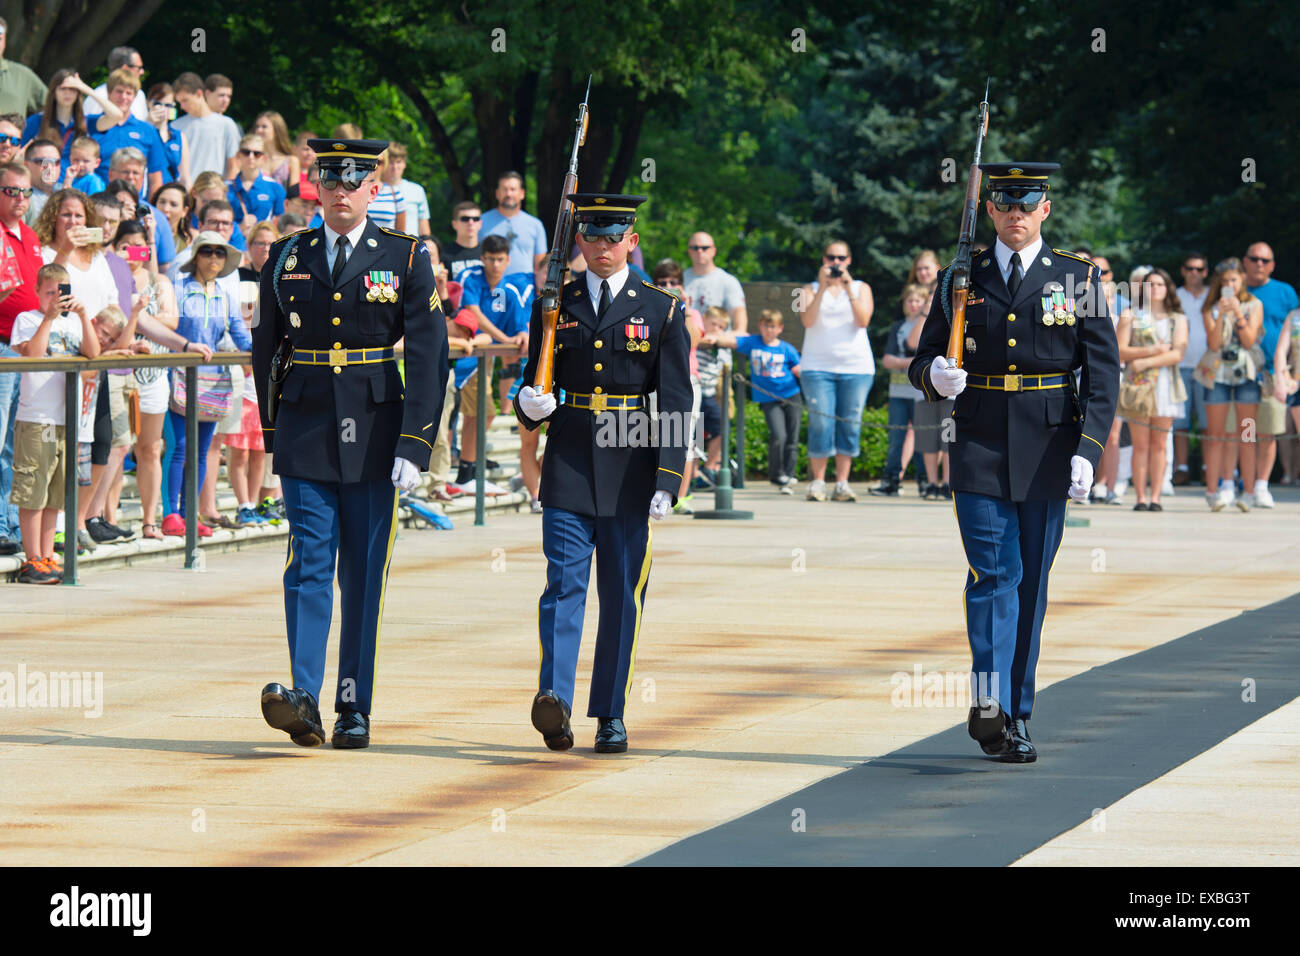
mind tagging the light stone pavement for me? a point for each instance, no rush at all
(770, 657)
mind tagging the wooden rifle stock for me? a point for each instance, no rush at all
(961, 266)
(544, 377)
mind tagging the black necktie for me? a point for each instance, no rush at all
(340, 259)
(604, 299)
(1013, 280)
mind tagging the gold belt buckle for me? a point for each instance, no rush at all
(599, 403)
(338, 358)
(1011, 383)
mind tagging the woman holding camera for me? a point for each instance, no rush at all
(1230, 373)
(837, 367)
(1153, 338)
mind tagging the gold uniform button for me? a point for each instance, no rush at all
(1011, 368)
(1011, 317)
(1011, 342)
(599, 344)
(599, 389)
(337, 296)
(338, 345)
(598, 366)
(337, 370)
(336, 320)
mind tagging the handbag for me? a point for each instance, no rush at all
(1177, 387)
(1137, 400)
(1207, 368)
(215, 390)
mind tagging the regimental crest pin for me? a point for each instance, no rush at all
(631, 293)
(294, 320)
(316, 240)
(290, 263)
(970, 344)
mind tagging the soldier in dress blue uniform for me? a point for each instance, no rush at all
(607, 464)
(1025, 437)
(346, 432)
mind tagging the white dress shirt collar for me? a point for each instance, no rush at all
(616, 283)
(1027, 256)
(354, 237)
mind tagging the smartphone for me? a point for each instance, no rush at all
(137, 253)
(95, 235)
(65, 290)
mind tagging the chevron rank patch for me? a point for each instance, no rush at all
(434, 301)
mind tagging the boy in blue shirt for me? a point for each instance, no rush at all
(774, 380)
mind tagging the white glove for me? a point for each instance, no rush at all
(536, 405)
(948, 380)
(405, 474)
(660, 505)
(1080, 478)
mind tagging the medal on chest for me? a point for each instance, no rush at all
(638, 338)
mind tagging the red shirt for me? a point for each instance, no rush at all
(26, 248)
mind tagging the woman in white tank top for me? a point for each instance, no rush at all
(837, 368)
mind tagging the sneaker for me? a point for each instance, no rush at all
(1263, 497)
(85, 542)
(1167, 488)
(516, 483)
(173, 525)
(817, 491)
(36, 572)
(58, 543)
(886, 488)
(247, 516)
(1113, 498)
(452, 491)
(930, 492)
(1213, 502)
(683, 506)
(786, 480)
(535, 506)
(843, 492)
(784, 490)
(52, 566)
(122, 533)
(1220, 500)
(99, 531)
(1245, 501)
(271, 509)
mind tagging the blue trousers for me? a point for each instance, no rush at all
(1010, 547)
(356, 522)
(622, 546)
(9, 383)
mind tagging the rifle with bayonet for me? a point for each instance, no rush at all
(960, 269)
(544, 377)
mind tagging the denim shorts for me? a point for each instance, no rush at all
(834, 401)
(1247, 393)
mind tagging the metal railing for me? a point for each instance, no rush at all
(72, 367)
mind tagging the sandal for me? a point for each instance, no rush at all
(219, 521)
(145, 533)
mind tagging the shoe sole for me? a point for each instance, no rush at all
(1019, 758)
(281, 715)
(346, 742)
(548, 720)
(990, 733)
(611, 748)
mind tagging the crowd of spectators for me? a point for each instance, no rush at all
(136, 219)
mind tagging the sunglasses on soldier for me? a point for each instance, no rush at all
(1024, 200)
(350, 178)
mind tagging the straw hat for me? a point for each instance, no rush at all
(210, 238)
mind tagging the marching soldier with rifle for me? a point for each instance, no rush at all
(1009, 328)
(598, 348)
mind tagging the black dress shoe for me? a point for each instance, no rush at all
(551, 718)
(611, 736)
(988, 726)
(9, 546)
(351, 731)
(1141, 506)
(1021, 751)
(295, 712)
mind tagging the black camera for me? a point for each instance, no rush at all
(836, 272)
(1230, 353)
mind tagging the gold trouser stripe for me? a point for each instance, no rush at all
(286, 571)
(1095, 442)
(417, 438)
(383, 590)
(636, 599)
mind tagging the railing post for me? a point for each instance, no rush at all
(191, 465)
(480, 429)
(738, 479)
(722, 499)
(71, 417)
